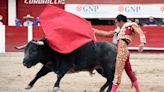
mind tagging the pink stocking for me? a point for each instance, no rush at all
(136, 86)
(114, 87)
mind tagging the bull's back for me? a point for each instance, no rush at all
(85, 55)
(106, 53)
(106, 47)
(92, 54)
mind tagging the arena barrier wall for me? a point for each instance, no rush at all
(2, 38)
(16, 36)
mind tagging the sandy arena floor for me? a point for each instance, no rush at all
(14, 77)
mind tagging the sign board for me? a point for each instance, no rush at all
(34, 7)
(114, 1)
(44, 1)
(112, 10)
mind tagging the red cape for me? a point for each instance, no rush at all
(65, 31)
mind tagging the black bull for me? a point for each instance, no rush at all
(100, 56)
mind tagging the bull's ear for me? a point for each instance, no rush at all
(38, 42)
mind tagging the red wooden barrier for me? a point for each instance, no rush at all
(16, 36)
(154, 36)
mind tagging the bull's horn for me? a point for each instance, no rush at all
(20, 47)
(38, 42)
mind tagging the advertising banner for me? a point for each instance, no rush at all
(34, 7)
(112, 10)
(44, 1)
(114, 1)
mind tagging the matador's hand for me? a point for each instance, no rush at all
(140, 47)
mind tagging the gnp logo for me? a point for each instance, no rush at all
(87, 8)
(162, 9)
(129, 9)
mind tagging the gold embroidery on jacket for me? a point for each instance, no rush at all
(121, 31)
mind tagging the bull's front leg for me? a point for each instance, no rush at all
(43, 71)
(62, 71)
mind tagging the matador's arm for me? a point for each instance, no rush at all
(102, 33)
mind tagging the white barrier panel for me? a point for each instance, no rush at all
(11, 12)
(2, 38)
(30, 33)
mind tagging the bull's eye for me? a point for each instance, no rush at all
(34, 49)
(34, 53)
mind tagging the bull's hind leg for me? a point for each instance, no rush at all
(102, 89)
(43, 71)
(109, 74)
(110, 77)
(104, 86)
(101, 72)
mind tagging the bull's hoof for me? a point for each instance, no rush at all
(57, 89)
(28, 87)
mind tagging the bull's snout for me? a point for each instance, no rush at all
(24, 64)
(28, 65)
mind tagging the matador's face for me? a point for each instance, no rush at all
(119, 24)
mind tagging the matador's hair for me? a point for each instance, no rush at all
(122, 18)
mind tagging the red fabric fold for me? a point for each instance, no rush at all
(65, 31)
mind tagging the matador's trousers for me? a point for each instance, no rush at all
(122, 62)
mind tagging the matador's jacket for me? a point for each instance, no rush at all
(124, 37)
(128, 33)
